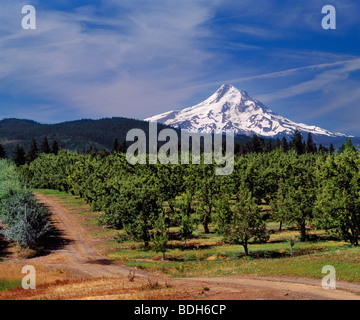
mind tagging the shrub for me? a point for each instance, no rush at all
(24, 220)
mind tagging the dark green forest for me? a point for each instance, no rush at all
(78, 136)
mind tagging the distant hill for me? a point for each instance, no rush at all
(76, 136)
(73, 135)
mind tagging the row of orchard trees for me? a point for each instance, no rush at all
(318, 190)
(23, 220)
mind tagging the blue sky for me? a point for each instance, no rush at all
(137, 58)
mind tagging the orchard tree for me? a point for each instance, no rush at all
(187, 227)
(245, 222)
(170, 179)
(249, 173)
(139, 206)
(207, 193)
(160, 235)
(296, 194)
(338, 202)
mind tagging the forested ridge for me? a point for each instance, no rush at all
(78, 136)
(89, 136)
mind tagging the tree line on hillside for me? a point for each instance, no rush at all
(255, 144)
(300, 186)
(76, 136)
(20, 156)
(259, 144)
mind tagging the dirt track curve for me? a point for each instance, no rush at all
(78, 255)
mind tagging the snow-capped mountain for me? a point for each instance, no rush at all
(232, 109)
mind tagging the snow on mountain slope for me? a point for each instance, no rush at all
(232, 109)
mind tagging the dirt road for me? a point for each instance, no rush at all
(76, 252)
(95, 277)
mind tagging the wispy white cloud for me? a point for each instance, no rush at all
(285, 73)
(339, 71)
(129, 64)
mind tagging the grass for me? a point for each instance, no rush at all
(11, 275)
(6, 284)
(208, 255)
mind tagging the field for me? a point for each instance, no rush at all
(208, 255)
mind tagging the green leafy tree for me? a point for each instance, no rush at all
(187, 227)
(160, 236)
(223, 213)
(338, 202)
(207, 193)
(296, 194)
(139, 206)
(245, 223)
(170, 179)
(249, 173)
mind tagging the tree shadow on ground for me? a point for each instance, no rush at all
(53, 241)
(5, 248)
(278, 254)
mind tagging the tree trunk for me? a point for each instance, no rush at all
(303, 236)
(206, 226)
(206, 222)
(163, 256)
(146, 238)
(245, 245)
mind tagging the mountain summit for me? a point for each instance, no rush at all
(232, 109)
